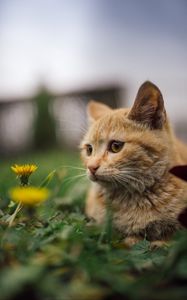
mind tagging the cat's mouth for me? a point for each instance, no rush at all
(93, 177)
(98, 178)
(101, 177)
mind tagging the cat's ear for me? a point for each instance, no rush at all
(96, 110)
(148, 108)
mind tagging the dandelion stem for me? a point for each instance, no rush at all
(12, 217)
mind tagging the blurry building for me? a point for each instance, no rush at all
(50, 119)
(16, 125)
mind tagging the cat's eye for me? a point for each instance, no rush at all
(89, 149)
(115, 146)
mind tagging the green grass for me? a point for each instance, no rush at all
(54, 252)
(46, 162)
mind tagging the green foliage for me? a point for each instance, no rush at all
(54, 252)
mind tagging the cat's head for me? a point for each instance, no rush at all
(128, 147)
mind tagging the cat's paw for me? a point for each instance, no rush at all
(131, 241)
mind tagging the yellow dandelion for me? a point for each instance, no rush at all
(23, 172)
(29, 195)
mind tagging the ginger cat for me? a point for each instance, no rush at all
(128, 154)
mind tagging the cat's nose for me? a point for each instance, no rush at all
(93, 169)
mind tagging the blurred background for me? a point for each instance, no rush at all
(57, 55)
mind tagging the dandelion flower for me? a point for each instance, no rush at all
(30, 196)
(24, 171)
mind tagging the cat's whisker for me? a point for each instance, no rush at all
(75, 176)
(113, 181)
(123, 182)
(125, 178)
(130, 176)
(130, 170)
(71, 130)
(65, 123)
(130, 180)
(116, 181)
(120, 179)
(131, 173)
(72, 167)
(72, 178)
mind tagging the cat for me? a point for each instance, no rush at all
(128, 154)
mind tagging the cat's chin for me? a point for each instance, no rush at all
(100, 180)
(93, 177)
